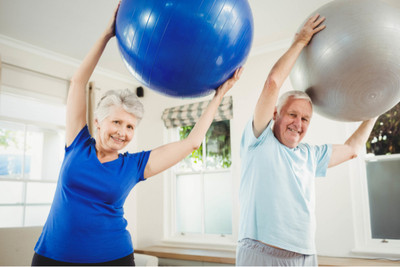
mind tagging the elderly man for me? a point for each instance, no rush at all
(277, 221)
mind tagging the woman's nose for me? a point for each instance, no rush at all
(119, 132)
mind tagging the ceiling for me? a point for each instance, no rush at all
(70, 27)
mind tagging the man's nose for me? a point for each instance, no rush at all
(297, 121)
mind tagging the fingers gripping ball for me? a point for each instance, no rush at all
(351, 69)
(184, 48)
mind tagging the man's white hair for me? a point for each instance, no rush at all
(294, 94)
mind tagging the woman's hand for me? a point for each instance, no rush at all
(228, 84)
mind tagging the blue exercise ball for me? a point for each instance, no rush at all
(184, 48)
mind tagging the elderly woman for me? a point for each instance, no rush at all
(86, 224)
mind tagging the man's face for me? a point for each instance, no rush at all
(292, 122)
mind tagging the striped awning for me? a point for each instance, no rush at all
(189, 114)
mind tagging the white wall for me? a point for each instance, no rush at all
(145, 206)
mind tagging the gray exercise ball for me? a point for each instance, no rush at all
(351, 69)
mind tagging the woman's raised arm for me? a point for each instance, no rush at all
(168, 155)
(76, 101)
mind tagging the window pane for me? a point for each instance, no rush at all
(11, 216)
(218, 140)
(385, 136)
(11, 149)
(195, 160)
(218, 203)
(40, 192)
(189, 203)
(37, 154)
(53, 154)
(45, 148)
(36, 215)
(384, 198)
(34, 151)
(11, 192)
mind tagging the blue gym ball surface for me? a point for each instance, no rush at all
(184, 48)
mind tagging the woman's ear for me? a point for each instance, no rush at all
(96, 123)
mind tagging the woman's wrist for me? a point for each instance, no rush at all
(219, 95)
(107, 36)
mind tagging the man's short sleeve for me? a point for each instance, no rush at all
(248, 138)
(322, 155)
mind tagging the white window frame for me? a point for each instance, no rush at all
(21, 179)
(24, 203)
(28, 97)
(171, 236)
(365, 245)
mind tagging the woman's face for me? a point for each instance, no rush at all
(116, 130)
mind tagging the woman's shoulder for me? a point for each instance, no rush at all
(81, 139)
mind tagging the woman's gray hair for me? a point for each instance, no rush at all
(119, 98)
(295, 94)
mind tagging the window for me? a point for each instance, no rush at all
(380, 197)
(383, 176)
(202, 186)
(32, 121)
(199, 190)
(383, 179)
(385, 136)
(30, 159)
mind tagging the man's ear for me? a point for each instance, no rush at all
(275, 114)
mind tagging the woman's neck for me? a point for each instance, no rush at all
(104, 155)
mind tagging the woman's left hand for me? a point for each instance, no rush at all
(228, 84)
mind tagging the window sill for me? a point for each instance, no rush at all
(209, 243)
(380, 253)
(189, 254)
(335, 261)
(228, 257)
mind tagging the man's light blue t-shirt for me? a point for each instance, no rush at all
(277, 198)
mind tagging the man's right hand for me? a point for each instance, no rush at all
(311, 27)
